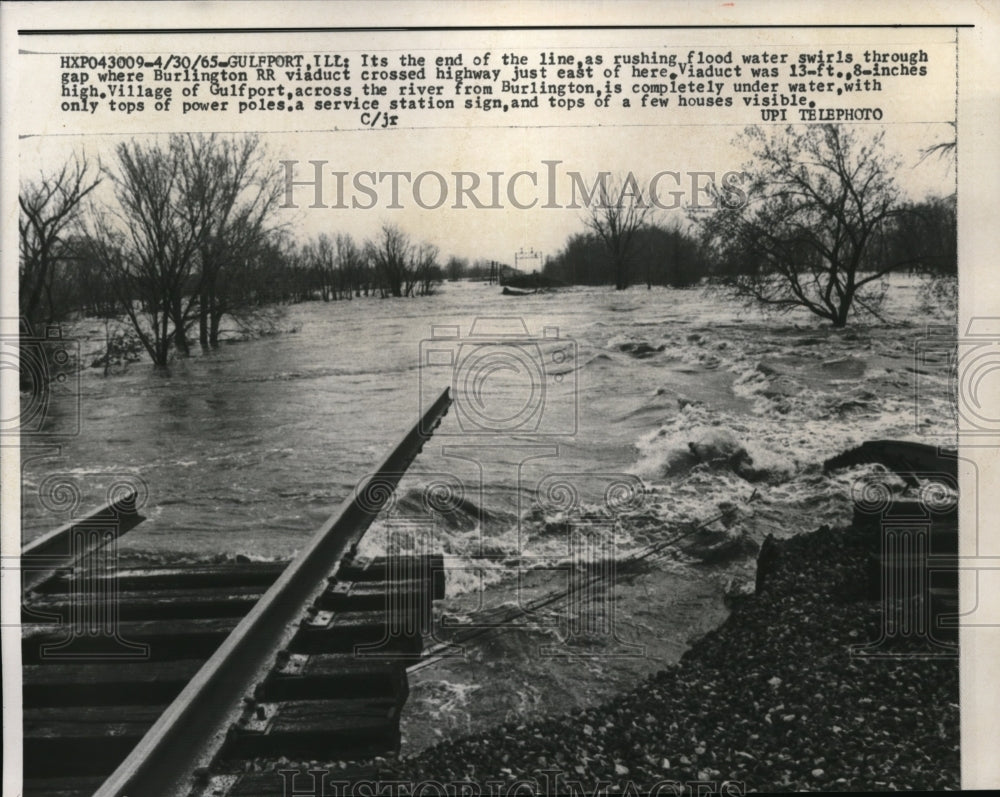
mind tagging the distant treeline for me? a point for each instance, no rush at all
(920, 236)
(819, 222)
(659, 255)
(278, 271)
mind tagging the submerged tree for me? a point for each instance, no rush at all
(50, 210)
(664, 254)
(390, 252)
(615, 218)
(399, 265)
(180, 241)
(231, 180)
(319, 257)
(148, 244)
(456, 268)
(350, 266)
(940, 288)
(426, 271)
(820, 202)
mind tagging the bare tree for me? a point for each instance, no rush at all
(620, 212)
(335, 265)
(180, 243)
(946, 150)
(820, 201)
(391, 252)
(148, 243)
(226, 185)
(426, 272)
(320, 259)
(350, 265)
(50, 211)
(456, 267)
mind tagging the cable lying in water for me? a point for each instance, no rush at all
(436, 653)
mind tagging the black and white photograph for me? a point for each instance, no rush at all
(498, 399)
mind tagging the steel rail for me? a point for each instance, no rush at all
(191, 730)
(43, 557)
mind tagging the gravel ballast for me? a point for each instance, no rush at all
(773, 700)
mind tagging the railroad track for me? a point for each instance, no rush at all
(168, 681)
(214, 669)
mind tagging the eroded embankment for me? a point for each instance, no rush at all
(772, 699)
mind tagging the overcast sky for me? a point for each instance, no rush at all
(491, 233)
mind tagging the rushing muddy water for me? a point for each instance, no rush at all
(246, 450)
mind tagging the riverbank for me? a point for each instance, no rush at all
(772, 699)
(559, 658)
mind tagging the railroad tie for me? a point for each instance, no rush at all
(337, 691)
(90, 695)
(137, 681)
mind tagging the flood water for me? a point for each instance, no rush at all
(246, 450)
(591, 427)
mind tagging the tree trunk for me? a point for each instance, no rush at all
(216, 320)
(203, 320)
(621, 279)
(180, 336)
(162, 345)
(216, 310)
(844, 309)
(180, 341)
